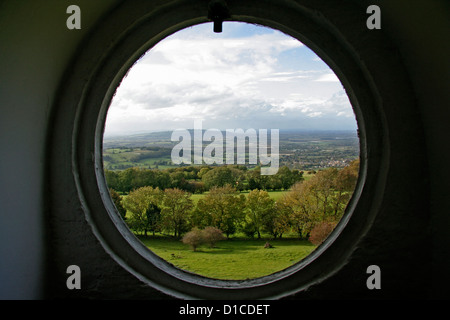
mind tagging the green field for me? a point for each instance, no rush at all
(303, 150)
(122, 158)
(234, 259)
(273, 194)
(195, 197)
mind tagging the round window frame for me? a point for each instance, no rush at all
(87, 96)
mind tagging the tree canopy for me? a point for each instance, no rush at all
(310, 207)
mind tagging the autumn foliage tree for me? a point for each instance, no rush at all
(193, 238)
(311, 207)
(321, 231)
(323, 198)
(211, 235)
(197, 237)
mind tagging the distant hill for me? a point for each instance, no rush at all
(305, 150)
(138, 140)
(163, 138)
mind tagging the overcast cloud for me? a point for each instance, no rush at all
(245, 77)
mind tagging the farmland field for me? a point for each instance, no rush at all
(234, 259)
(303, 150)
(273, 194)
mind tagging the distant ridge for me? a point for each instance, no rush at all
(167, 134)
(163, 138)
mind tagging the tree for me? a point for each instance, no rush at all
(323, 190)
(256, 180)
(287, 177)
(253, 178)
(177, 179)
(117, 199)
(202, 171)
(197, 237)
(141, 204)
(176, 209)
(344, 185)
(127, 180)
(280, 223)
(211, 235)
(193, 238)
(221, 176)
(222, 208)
(321, 231)
(153, 215)
(162, 180)
(274, 182)
(302, 206)
(112, 179)
(260, 210)
(323, 197)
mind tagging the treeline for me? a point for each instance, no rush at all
(198, 179)
(311, 208)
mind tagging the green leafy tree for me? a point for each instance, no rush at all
(127, 179)
(117, 199)
(176, 210)
(138, 203)
(256, 180)
(112, 179)
(260, 210)
(301, 206)
(153, 214)
(287, 177)
(221, 176)
(163, 179)
(281, 222)
(223, 208)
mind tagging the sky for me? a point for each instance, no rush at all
(246, 77)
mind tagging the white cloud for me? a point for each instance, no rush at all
(328, 77)
(227, 82)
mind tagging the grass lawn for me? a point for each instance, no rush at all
(233, 259)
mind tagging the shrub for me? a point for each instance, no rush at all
(197, 237)
(211, 235)
(320, 232)
(193, 238)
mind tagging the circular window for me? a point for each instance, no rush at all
(206, 212)
(114, 48)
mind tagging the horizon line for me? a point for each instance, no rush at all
(108, 135)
